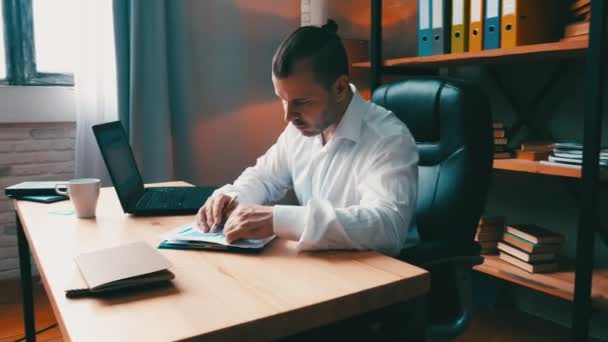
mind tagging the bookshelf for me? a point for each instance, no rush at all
(581, 284)
(559, 284)
(526, 53)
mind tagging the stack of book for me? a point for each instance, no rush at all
(580, 16)
(501, 150)
(571, 154)
(489, 231)
(534, 150)
(530, 247)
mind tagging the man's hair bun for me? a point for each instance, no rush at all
(331, 26)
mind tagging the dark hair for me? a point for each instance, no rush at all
(319, 46)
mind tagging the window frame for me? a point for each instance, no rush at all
(20, 50)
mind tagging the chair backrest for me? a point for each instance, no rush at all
(452, 125)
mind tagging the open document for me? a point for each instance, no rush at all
(190, 237)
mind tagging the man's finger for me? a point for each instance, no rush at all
(209, 214)
(229, 225)
(228, 215)
(235, 234)
(204, 220)
(232, 204)
(243, 232)
(218, 207)
(201, 219)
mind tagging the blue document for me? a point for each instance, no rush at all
(425, 33)
(491, 33)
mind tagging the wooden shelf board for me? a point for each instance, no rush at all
(561, 49)
(529, 166)
(522, 165)
(559, 284)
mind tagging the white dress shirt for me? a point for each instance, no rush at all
(358, 191)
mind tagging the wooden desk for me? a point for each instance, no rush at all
(215, 295)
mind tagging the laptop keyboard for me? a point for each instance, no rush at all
(166, 198)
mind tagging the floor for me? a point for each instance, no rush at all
(488, 325)
(11, 314)
(513, 325)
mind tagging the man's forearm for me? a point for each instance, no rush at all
(319, 225)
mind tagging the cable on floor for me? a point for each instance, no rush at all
(39, 331)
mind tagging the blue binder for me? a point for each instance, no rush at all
(491, 31)
(425, 33)
(441, 11)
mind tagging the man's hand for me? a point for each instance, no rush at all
(215, 210)
(249, 222)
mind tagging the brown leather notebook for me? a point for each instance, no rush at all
(120, 267)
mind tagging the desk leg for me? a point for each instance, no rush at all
(27, 291)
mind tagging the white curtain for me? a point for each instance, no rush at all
(95, 84)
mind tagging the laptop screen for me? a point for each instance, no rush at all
(118, 156)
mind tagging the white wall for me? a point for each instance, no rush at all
(36, 104)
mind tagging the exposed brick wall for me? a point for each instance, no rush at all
(36, 151)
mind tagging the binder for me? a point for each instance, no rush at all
(529, 22)
(440, 22)
(491, 34)
(43, 188)
(476, 25)
(425, 33)
(460, 26)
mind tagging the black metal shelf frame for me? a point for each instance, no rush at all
(596, 54)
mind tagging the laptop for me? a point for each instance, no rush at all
(134, 197)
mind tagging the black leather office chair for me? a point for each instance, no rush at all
(451, 123)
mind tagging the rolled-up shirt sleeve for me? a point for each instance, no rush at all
(380, 221)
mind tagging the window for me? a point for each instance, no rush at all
(38, 45)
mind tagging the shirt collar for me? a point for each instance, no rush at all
(349, 126)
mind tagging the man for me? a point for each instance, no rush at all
(352, 164)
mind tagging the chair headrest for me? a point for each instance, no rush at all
(415, 103)
(442, 114)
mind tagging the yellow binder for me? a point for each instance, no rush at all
(476, 27)
(460, 25)
(529, 22)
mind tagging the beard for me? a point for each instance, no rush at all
(328, 117)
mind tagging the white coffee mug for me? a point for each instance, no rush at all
(83, 193)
